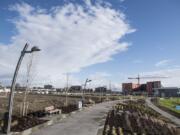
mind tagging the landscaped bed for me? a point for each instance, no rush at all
(135, 118)
(22, 123)
(68, 109)
(26, 123)
(34, 118)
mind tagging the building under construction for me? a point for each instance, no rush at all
(151, 86)
(148, 88)
(128, 88)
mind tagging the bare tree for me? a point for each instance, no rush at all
(28, 82)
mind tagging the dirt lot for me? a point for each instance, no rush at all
(36, 102)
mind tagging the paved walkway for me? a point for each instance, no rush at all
(85, 122)
(165, 114)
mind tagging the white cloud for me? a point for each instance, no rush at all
(71, 37)
(98, 75)
(99, 79)
(103, 79)
(163, 63)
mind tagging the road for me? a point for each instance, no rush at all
(85, 122)
(163, 113)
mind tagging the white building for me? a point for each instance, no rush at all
(4, 90)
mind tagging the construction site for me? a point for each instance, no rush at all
(119, 118)
(89, 67)
(150, 88)
(137, 109)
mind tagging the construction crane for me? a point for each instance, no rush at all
(146, 77)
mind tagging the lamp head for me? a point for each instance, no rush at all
(35, 49)
(89, 80)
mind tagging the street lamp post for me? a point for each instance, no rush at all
(87, 80)
(10, 105)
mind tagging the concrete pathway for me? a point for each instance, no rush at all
(85, 122)
(163, 113)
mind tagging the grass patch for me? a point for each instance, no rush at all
(170, 103)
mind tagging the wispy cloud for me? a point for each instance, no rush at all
(172, 74)
(71, 37)
(163, 63)
(121, 0)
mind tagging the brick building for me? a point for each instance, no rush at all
(129, 87)
(150, 86)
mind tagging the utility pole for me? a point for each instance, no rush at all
(67, 87)
(101, 94)
(110, 85)
(87, 80)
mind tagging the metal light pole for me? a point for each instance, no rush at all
(10, 106)
(101, 94)
(67, 88)
(87, 80)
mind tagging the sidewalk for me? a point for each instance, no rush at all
(86, 122)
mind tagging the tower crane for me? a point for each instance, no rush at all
(138, 78)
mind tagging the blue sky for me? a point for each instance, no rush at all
(152, 49)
